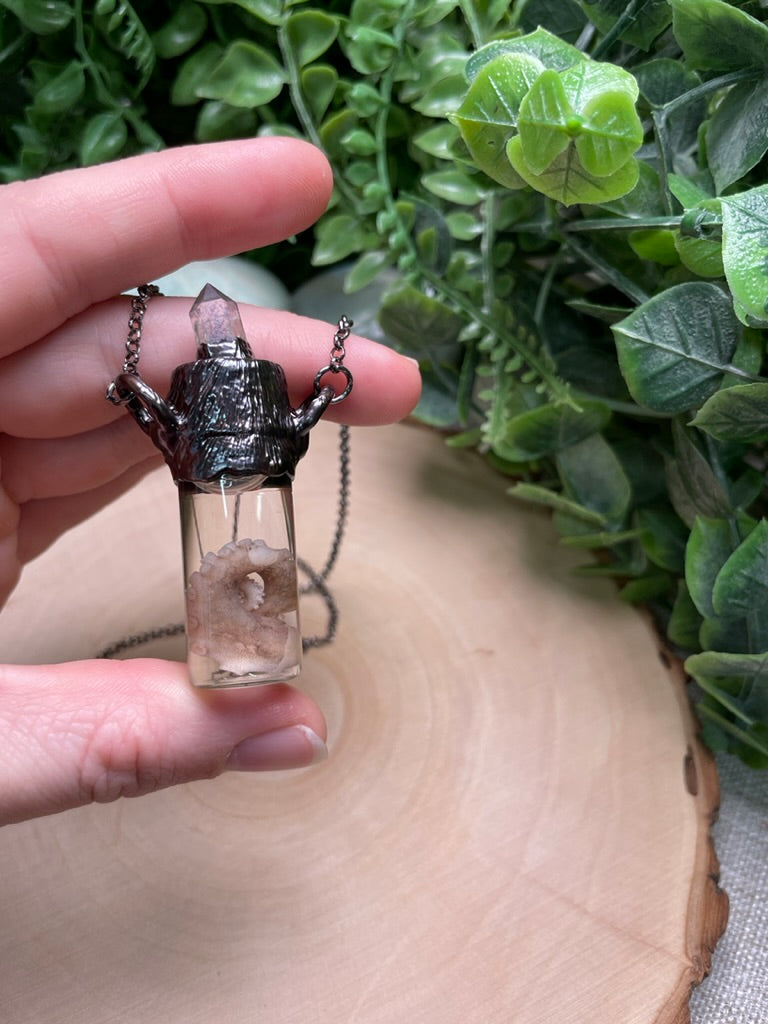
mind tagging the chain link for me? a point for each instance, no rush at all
(139, 304)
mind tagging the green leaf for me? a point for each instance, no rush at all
(194, 73)
(365, 270)
(126, 32)
(368, 49)
(710, 545)
(547, 48)
(336, 237)
(684, 621)
(62, 91)
(217, 122)
(737, 134)
(487, 118)
(741, 586)
(738, 413)
(318, 85)
(566, 180)
(745, 253)
(310, 33)
(724, 665)
(663, 538)
(246, 76)
(715, 36)
(185, 27)
(269, 11)
(455, 187)
(438, 141)
(550, 428)
(594, 477)
(419, 323)
(648, 20)
(537, 495)
(42, 17)
(693, 488)
(103, 138)
(674, 348)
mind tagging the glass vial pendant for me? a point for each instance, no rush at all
(242, 604)
(232, 441)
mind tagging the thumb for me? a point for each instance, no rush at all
(97, 730)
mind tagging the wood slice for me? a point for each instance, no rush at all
(513, 825)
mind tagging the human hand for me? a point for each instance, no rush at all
(69, 244)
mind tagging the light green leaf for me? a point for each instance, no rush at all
(567, 181)
(745, 253)
(104, 137)
(738, 413)
(365, 270)
(546, 122)
(336, 237)
(551, 499)
(455, 187)
(716, 36)
(310, 33)
(487, 118)
(246, 76)
(674, 348)
(741, 586)
(438, 141)
(544, 46)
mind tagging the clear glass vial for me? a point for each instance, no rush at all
(240, 583)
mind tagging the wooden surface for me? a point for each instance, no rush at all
(512, 828)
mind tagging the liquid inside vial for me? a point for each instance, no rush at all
(240, 583)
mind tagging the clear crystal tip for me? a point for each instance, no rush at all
(217, 324)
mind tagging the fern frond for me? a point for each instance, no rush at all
(122, 26)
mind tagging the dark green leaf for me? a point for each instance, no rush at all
(684, 621)
(674, 348)
(594, 478)
(437, 405)
(738, 413)
(694, 489)
(648, 20)
(103, 138)
(663, 537)
(185, 27)
(564, 17)
(217, 122)
(741, 586)
(61, 92)
(246, 76)
(709, 546)
(737, 135)
(715, 36)
(41, 16)
(194, 73)
(550, 428)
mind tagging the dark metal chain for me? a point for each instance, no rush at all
(317, 581)
(139, 304)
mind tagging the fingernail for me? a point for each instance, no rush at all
(297, 746)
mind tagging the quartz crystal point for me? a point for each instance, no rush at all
(218, 327)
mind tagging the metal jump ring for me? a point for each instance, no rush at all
(335, 369)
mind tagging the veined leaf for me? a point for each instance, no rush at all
(487, 118)
(552, 427)
(741, 586)
(650, 19)
(674, 348)
(567, 181)
(594, 477)
(738, 413)
(737, 135)
(553, 52)
(710, 545)
(715, 36)
(745, 253)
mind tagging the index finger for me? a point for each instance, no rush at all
(78, 237)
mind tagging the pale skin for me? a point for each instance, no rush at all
(69, 245)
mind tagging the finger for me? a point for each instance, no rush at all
(71, 239)
(95, 731)
(56, 388)
(42, 521)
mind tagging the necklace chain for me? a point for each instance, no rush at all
(317, 582)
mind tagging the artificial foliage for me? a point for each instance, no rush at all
(569, 202)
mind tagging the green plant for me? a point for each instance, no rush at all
(572, 199)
